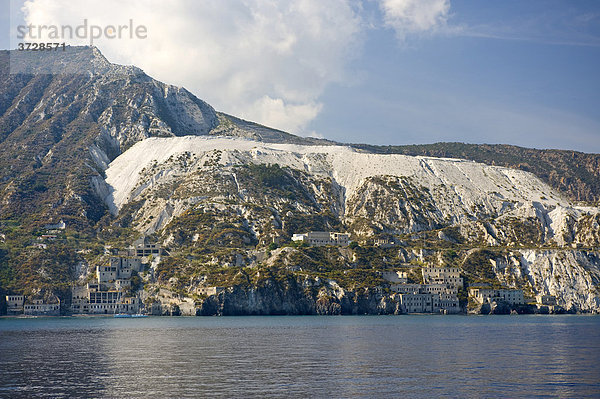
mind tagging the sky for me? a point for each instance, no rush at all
(364, 71)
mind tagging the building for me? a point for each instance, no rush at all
(38, 307)
(126, 265)
(439, 293)
(119, 270)
(406, 288)
(208, 291)
(108, 293)
(143, 247)
(488, 295)
(322, 238)
(88, 299)
(449, 303)
(419, 303)
(548, 300)
(384, 243)
(438, 289)
(106, 274)
(450, 276)
(14, 304)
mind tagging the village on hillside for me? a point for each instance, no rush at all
(114, 287)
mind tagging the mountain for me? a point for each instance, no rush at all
(75, 112)
(574, 173)
(116, 155)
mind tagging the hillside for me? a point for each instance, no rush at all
(574, 173)
(116, 155)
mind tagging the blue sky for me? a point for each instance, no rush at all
(375, 71)
(524, 73)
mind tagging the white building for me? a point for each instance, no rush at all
(548, 300)
(322, 238)
(143, 247)
(107, 294)
(38, 307)
(406, 288)
(106, 274)
(417, 300)
(126, 266)
(208, 291)
(449, 303)
(14, 304)
(89, 300)
(450, 276)
(384, 242)
(488, 295)
(419, 303)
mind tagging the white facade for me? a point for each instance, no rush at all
(106, 295)
(40, 308)
(103, 302)
(406, 288)
(126, 266)
(449, 303)
(208, 291)
(322, 238)
(106, 274)
(14, 304)
(486, 295)
(438, 294)
(143, 247)
(384, 243)
(419, 303)
(442, 275)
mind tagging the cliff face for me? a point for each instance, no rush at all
(296, 298)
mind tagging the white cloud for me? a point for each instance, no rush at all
(263, 60)
(414, 16)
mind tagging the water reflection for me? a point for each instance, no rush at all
(301, 356)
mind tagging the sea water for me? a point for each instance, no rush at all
(303, 356)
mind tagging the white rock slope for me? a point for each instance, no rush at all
(470, 182)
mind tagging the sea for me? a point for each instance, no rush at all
(409, 356)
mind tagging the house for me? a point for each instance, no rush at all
(419, 303)
(106, 274)
(143, 247)
(488, 295)
(126, 265)
(548, 300)
(208, 291)
(14, 304)
(322, 238)
(450, 276)
(108, 293)
(39, 307)
(384, 242)
(406, 288)
(449, 303)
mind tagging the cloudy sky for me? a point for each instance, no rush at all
(375, 71)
